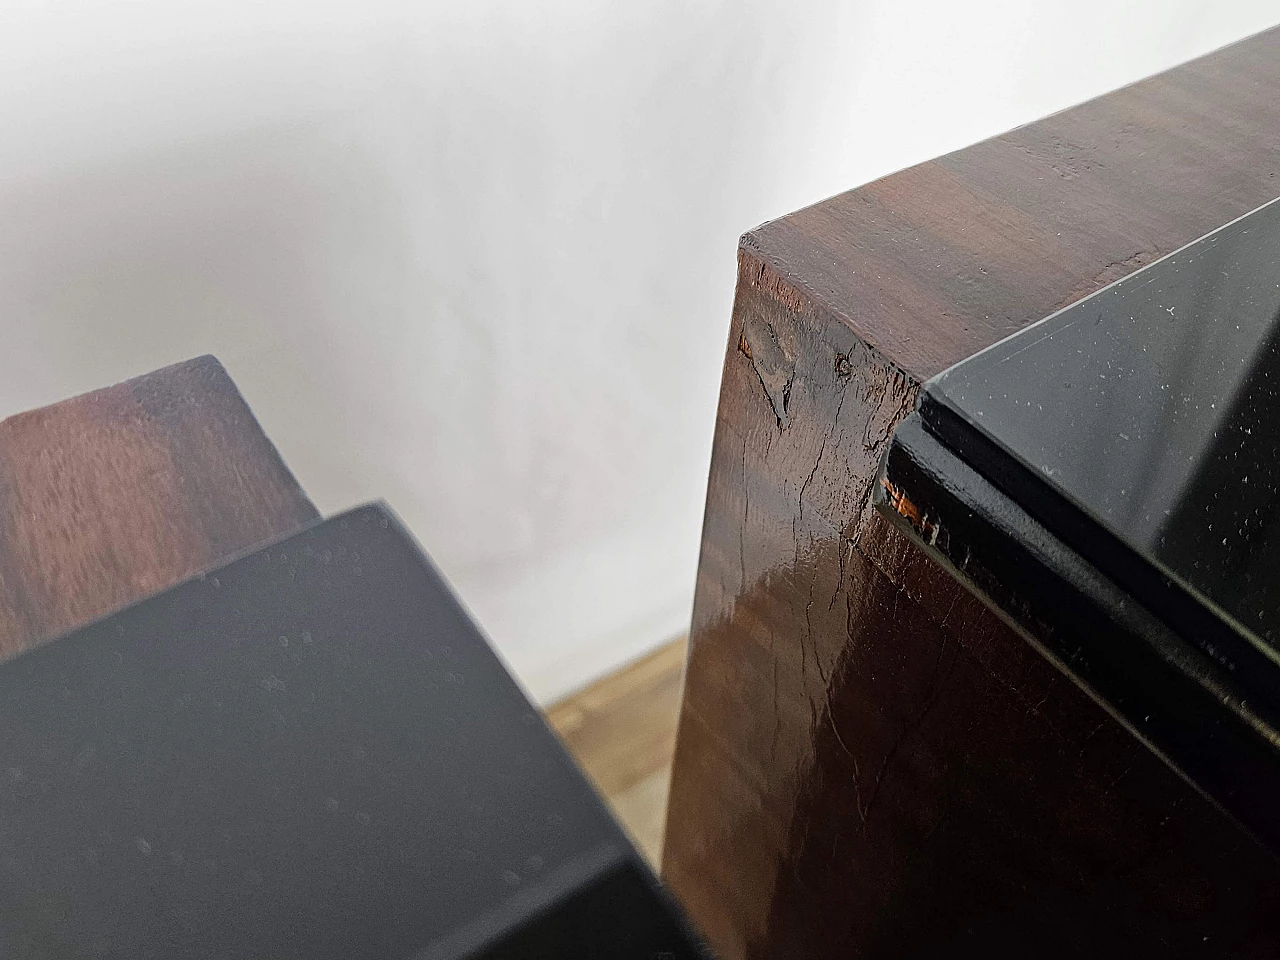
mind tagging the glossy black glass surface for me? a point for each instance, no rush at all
(1142, 425)
(309, 753)
(1188, 706)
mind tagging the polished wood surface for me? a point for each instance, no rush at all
(111, 496)
(870, 763)
(622, 732)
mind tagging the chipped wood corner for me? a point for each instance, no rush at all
(896, 499)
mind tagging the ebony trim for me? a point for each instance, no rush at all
(1181, 607)
(1186, 706)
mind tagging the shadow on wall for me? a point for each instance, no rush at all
(473, 258)
(414, 273)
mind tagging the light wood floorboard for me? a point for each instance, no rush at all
(622, 731)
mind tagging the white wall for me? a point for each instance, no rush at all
(477, 257)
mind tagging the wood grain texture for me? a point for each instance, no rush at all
(870, 763)
(116, 494)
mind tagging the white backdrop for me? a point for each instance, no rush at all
(477, 258)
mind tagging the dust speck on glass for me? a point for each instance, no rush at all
(1153, 407)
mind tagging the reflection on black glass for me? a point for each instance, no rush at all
(1153, 406)
(1224, 528)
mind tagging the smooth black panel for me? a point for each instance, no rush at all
(1142, 425)
(310, 753)
(1179, 701)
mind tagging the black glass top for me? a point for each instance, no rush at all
(1142, 424)
(309, 753)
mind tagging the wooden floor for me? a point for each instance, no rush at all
(622, 730)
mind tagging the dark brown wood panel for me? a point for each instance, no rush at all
(932, 264)
(114, 495)
(870, 763)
